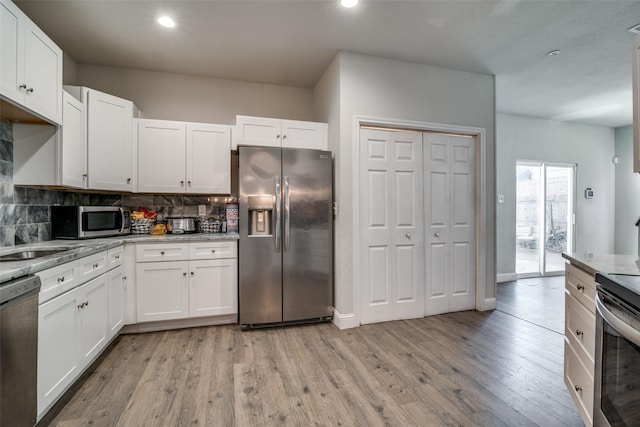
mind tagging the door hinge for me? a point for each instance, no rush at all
(335, 209)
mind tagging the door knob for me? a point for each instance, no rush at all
(408, 236)
(436, 234)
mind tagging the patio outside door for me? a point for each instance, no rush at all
(545, 195)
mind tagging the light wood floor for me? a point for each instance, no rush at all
(466, 369)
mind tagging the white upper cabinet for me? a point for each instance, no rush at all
(31, 65)
(109, 122)
(179, 157)
(636, 104)
(267, 132)
(72, 151)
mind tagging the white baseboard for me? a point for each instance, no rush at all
(506, 277)
(489, 304)
(344, 321)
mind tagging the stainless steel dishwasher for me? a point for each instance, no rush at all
(19, 351)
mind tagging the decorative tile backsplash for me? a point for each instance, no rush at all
(25, 214)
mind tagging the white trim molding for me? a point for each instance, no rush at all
(344, 321)
(488, 304)
(506, 277)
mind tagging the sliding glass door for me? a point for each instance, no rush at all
(545, 195)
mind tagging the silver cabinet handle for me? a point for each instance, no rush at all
(22, 86)
(30, 90)
(580, 288)
(436, 234)
(579, 332)
(61, 279)
(287, 213)
(278, 202)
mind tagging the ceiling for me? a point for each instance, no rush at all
(292, 42)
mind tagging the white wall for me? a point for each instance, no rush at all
(171, 96)
(392, 89)
(627, 194)
(69, 70)
(590, 147)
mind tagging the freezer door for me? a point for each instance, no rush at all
(260, 258)
(307, 234)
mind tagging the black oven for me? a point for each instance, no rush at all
(617, 364)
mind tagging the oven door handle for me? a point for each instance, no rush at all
(628, 332)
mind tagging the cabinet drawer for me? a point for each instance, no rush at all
(162, 252)
(580, 328)
(91, 266)
(579, 380)
(115, 257)
(213, 250)
(57, 280)
(582, 286)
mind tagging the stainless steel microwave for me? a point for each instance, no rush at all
(86, 222)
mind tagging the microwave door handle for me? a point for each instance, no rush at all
(278, 203)
(627, 332)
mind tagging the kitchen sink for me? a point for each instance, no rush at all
(30, 254)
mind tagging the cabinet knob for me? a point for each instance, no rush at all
(86, 303)
(284, 136)
(578, 389)
(192, 273)
(278, 136)
(436, 234)
(161, 252)
(189, 182)
(60, 279)
(213, 251)
(181, 183)
(84, 176)
(22, 86)
(96, 265)
(408, 236)
(117, 256)
(124, 277)
(128, 180)
(579, 332)
(184, 273)
(30, 90)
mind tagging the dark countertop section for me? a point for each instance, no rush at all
(605, 263)
(81, 248)
(623, 286)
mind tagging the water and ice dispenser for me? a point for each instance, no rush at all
(260, 213)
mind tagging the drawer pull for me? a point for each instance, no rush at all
(580, 288)
(192, 273)
(96, 265)
(213, 251)
(117, 257)
(161, 252)
(579, 332)
(578, 389)
(184, 274)
(61, 279)
(83, 305)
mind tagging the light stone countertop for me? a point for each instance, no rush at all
(605, 263)
(81, 248)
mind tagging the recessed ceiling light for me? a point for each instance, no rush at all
(349, 3)
(165, 21)
(553, 52)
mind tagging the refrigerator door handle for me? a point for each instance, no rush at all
(278, 203)
(287, 213)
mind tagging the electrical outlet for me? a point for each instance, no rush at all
(500, 198)
(202, 210)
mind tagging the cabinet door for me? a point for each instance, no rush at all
(93, 311)
(161, 156)
(258, 131)
(208, 159)
(115, 281)
(298, 134)
(11, 52)
(110, 142)
(42, 74)
(129, 292)
(58, 329)
(162, 290)
(73, 144)
(213, 287)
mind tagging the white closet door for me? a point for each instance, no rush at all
(450, 258)
(392, 242)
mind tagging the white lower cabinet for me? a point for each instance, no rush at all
(205, 284)
(162, 290)
(80, 311)
(579, 339)
(115, 282)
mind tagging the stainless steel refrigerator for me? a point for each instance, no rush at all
(286, 236)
